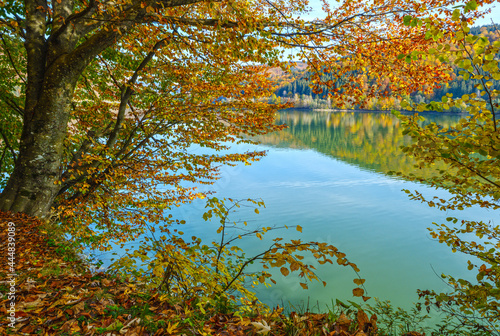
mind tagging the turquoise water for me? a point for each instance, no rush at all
(327, 173)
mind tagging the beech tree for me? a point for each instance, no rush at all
(103, 101)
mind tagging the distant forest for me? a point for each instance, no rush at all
(300, 92)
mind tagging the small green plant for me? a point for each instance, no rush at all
(397, 321)
(81, 321)
(114, 311)
(52, 269)
(101, 330)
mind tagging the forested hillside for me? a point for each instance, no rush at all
(299, 91)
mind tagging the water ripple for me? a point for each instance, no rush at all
(335, 183)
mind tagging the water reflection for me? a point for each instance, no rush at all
(368, 140)
(361, 212)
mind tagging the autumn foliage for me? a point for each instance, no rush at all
(113, 111)
(470, 150)
(219, 272)
(106, 104)
(59, 295)
(126, 89)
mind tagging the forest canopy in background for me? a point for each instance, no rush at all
(300, 90)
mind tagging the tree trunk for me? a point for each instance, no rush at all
(54, 65)
(33, 185)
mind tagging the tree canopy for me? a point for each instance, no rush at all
(104, 104)
(103, 100)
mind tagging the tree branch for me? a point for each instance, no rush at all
(7, 144)
(127, 93)
(71, 21)
(202, 22)
(12, 105)
(11, 59)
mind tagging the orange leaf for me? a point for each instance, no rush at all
(362, 319)
(358, 291)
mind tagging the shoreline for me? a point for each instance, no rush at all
(307, 109)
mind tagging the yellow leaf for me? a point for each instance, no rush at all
(299, 228)
(359, 282)
(171, 328)
(284, 271)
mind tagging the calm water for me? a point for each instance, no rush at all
(326, 172)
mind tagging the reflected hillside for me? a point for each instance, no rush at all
(369, 140)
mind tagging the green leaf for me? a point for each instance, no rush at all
(340, 303)
(407, 20)
(471, 5)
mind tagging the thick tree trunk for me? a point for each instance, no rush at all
(54, 65)
(33, 185)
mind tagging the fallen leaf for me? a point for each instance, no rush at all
(263, 328)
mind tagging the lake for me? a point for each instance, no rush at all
(328, 173)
